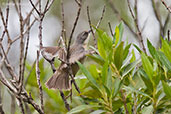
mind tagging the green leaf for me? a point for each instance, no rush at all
(117, 35)
(90, 93)
(117, 85)
(118, 57)
(80, 108)
(133, 56)
(121, 29)
(165, 62)
(166, 49)
(137, 48)
(131, 89)
(104, 72)
(126, 51)
(147, 66)
(109, 79)
(151, 49)
(101, 48)
(129, 67)
(93, 71)
(167, 89)
(88, 75)
(147, 110)
(146, 80)
(98, 112)
(98, 59)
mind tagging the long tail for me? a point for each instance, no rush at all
(60, 80)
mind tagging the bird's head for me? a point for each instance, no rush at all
(82, 37)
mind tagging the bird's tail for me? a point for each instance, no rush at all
(60, 80)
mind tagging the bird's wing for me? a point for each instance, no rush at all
(52, 52)
(78, 54)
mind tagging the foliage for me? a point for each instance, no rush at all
(116, 81)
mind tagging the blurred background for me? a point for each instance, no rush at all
(148, 23)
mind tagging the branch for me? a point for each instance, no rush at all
(89, 21)
(38, 80)
(168, 8)
(73, 29)
(110, 27)
(135, 18)
(121, 18)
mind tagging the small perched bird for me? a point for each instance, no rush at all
(60, 79)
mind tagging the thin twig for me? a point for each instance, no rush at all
(101, 18)
(135, 18)
(167, 7)
(26, 49)
(168, 35)
(121, 18)
(110, 27)
(21, 105)
(73, 29)
(21, 77)
(89, 21)
(5, 25)
(35, 7)
(38, 80)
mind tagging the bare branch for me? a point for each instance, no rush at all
(73, 29)
(89, 20)
(38, 80)
(110, 27)
(35, 7)
(168, 35)
(21, 105)
(101, 18)
(135, 18)
(121, 18)
(168, 8)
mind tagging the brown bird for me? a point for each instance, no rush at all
(60, 79)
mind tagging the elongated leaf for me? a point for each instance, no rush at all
(117, 35)
(88, 75)
(109, 79)
(146, 80)
(98, 59)
(128, 88)
(121, 29)
(80, 108)
(129, 67)
(117, 85)
(98, 112)
(93, 71)
(165, 62)
(104, 72)
(147, 66)
(126, 51)
(118, 57)
(137, 48)
(101, 48)
(167, 89)
(133, 56)
(151, 49)
(147, 110)
(166, 49)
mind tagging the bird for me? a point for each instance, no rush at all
(60, 79)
